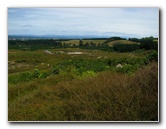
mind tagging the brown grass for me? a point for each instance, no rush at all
(76, 42)
(121, 41)
(108, 96)
(71, 42)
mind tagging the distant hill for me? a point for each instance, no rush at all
(122, 42)
(55, 37)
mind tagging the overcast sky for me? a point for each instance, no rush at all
(134, 22)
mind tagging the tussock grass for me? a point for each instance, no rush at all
(108, 96)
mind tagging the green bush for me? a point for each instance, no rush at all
(26, 76)
(22, 77)
(80, 66)
(88, 73)
(128, 68)
(153, 56)
(36, 73)
(125, 47)
(148, 43)
(43, 75)
(133, 61)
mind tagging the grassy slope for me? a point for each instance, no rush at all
(108, 96)
(76, 42)
(121, 41)
(94, 41)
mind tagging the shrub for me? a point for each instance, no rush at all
(127, 68)
(125, 47)
(109, 96)
(80, 66)
(88, 73)
(27, 76)
(148, 43)
(153, 56)
(43, 75)
(36, 73)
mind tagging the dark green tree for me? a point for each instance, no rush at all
(81, 43)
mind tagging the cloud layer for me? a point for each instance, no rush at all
(140, 22)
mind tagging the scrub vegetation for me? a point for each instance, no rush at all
(112, 79)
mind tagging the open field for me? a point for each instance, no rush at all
(76, 42)
(121, 41)
(74, 84)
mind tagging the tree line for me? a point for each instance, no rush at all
(146, 43)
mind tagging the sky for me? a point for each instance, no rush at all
(131, 22)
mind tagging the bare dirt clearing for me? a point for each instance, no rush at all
(75, 53)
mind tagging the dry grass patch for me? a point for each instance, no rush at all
(122, 42)
(108, 96)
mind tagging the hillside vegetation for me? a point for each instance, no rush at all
(122, 42)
